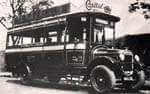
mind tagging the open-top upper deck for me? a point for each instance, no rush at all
(60, 19)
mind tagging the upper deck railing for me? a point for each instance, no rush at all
(39, 14)
(47, 21)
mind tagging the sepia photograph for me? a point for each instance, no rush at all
(75, 46)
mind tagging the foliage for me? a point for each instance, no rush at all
(142, 6)
(45, 4)
(37, 11)
(19, 7)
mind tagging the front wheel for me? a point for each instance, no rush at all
(102, 79)
(139, 81)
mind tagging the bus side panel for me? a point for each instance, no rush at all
(46, 63)
(55, 63)
(40, 63)
(14, 63)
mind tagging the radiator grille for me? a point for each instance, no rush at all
(128, 58)
(127, 66)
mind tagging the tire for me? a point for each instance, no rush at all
(106, 76)
(26, 74)
(139, 78)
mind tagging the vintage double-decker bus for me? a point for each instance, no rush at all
(80, 43)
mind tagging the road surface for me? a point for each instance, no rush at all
(9, 85)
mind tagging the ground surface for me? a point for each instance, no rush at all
(9, 85)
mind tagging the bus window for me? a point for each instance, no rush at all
(56, 34)
(52, 37)
(98, 33)
(37, 39)
(108, 33)
(102, 32)
(76, 29)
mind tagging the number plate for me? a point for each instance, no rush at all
(128, 78)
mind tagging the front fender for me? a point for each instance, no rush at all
(138, 66)
(102, 60)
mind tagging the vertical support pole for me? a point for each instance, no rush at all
(103, 36)
(2, 61)
(32, 40)
(114, 35)
(90, 29)
(21, 40)
(7, 41)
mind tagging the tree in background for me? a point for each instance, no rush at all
(23, 7)
(41, 5)
(17, 7)
(44, 4)
(142, 6)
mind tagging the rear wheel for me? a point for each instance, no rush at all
(26, 74)
(102, 79)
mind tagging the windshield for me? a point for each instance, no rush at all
(103, 32)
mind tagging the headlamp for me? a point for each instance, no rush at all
(137, 58)
(122, 57)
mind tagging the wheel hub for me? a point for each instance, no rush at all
(100, 79)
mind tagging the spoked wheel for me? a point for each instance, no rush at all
(102, 79)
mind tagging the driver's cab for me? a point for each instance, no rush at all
(102, 32)
(77, 29)
(85, 31)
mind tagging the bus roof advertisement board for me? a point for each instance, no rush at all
(101, 5)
